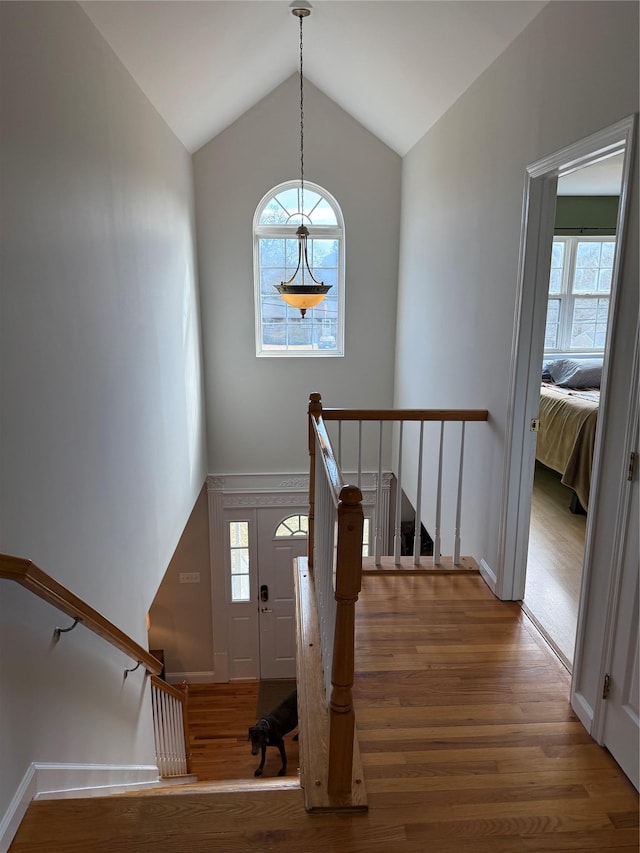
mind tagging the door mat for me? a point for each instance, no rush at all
(271, 693)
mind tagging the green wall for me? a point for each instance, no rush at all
(577, 214)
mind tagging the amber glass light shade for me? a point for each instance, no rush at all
(303, 296)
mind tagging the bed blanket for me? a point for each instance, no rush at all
(567, 435)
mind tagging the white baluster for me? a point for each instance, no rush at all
(436, 538)
(378, 509)
(456, 539)
(418, 525)
(397, 531)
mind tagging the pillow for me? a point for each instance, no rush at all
(576, 373)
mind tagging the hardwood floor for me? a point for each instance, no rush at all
(468, 745)
(554, 563)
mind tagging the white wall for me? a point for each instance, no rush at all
(181, 618)
(102, 451)
(256, 407)
(573, 71)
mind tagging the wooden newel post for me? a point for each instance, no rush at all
(347, 587)
(315, 411)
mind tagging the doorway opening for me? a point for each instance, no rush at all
(576, 341)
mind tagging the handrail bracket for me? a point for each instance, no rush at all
(58, 631)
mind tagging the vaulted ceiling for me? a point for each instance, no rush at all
(395, 65)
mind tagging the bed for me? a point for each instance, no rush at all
(569, 400)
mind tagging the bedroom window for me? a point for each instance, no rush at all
(280, 329)
(579, 294)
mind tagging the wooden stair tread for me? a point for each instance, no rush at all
(218, 786)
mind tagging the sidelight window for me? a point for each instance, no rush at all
(239, 560)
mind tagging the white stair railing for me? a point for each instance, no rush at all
(421, 447)
(169, 706)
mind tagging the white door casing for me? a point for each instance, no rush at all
(528, 340)
(509, 577)
(236, 641)
(617, 719)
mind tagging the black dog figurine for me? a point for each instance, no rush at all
(271, 729)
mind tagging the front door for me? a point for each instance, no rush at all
(282, 537)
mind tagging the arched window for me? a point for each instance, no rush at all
(280, 329)
(294, 525)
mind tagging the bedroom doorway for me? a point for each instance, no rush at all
(605, 645)
(576, 340)
(539, 212)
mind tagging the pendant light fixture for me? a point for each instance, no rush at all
(296, 292)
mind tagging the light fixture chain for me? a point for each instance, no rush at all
(301, 130)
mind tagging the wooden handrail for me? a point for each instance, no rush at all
(348, 574)
(334, 475)
(172, 690)
(28, 575)
(404, 414)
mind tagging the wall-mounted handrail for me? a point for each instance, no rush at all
(30, 576)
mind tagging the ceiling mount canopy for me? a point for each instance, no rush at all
(295, 291)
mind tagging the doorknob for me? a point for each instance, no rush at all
(266, 610)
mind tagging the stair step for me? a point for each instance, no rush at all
(198, 821)
(219, 786)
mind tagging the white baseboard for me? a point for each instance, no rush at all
(17, 808)
(583, 710)
(56, 781)
(488, 575)
(206, 677)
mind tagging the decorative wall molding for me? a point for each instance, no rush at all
(272, 490)
(300, 483)
(257, 500)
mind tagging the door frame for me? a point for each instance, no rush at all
(528, 338)
(247, 492)
(527, 355)
(620, 539)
